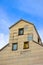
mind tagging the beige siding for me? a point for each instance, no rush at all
(14, 37)
(31, 56)
(35, 35)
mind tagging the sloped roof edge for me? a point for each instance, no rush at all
(19, 21)
(38, 43)
(15, 24)
(4, 47)
(27, 22)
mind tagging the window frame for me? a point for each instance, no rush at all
(16, 48)
(26, 43)
(28, 37)
(19, 31)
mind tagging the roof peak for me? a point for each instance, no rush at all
(20, 21)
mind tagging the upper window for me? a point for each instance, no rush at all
(26, 45)
(30, 37)
(14, 46)
(21, 31)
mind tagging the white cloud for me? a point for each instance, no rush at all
(4, 28)
(34, 7)
(4, 24)
(4, 21)
(4, 39)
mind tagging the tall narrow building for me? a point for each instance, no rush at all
(25, 46)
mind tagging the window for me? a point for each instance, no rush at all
(21, 31)
(14, 46)
(30, 37)
(26, 45)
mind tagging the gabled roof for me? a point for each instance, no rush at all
(26, 22)
(20, 21)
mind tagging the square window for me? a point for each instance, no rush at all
(14, 46)
(26, 45)
(21, 31)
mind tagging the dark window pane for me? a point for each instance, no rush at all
(26, 45)
(21, 31)
(14, 46)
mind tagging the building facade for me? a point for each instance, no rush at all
(25, 46)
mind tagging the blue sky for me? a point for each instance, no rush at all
(13, 10)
